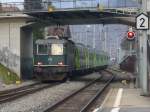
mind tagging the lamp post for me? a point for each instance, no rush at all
(9, 47)
(87, 27)
(94, 37)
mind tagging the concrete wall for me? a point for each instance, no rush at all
(10, 43)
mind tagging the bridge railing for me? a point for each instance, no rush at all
(94, 3)
(51, 5)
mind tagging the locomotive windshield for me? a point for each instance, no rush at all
(50, 49)
(57, 49)
(42, 49)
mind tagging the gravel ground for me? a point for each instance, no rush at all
(12, 86)
(122, 75)
(38, 101)
(90, 76)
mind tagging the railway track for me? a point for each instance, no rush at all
(17, 89)
(13, 94)
(117, 70)
(82, 99)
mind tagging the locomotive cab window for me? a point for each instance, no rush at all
(42, 49)
(57, 49)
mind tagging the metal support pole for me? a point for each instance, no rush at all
(86, 38)
(105, 36)
(110, 51)
(74, 3)
(138, 82)
(143, 55)
(140, 60)
(94, 37)
(9, 46)
(130, 44)
(60, 3)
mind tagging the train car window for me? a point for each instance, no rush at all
(42, 49)
(57, 49)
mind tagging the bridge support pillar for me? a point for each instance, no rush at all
(16, 45)
(26, 53)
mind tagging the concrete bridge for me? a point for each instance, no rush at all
(16, 45)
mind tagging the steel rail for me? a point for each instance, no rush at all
(19, 88)
(84, 109)
(120, 71)
(96, 95)
(17, 94)
(68, 97)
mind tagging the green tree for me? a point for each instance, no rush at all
(33, 5)
(38, 33)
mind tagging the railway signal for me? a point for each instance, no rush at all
(130, 35)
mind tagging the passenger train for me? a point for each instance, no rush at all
(57, 59)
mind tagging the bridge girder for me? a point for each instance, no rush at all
(82, 17)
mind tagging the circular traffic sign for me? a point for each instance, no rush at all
(130, 35)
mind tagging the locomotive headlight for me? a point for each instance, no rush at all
(60, 63)
(39, 63)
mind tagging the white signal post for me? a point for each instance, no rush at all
(130, 37)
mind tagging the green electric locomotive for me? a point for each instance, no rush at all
(57, 59)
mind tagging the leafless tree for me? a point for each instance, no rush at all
(31, 5)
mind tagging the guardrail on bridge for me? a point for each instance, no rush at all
(67, 5)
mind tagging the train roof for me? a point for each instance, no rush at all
(50, 41)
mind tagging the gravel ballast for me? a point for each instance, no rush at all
(92, 76)
(38, 101)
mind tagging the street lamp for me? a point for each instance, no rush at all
(87, 27)
(94, 37)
